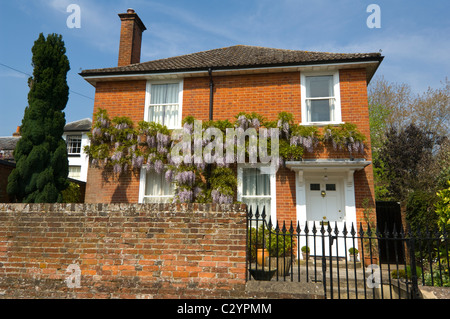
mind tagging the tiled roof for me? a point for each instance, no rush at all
(80, 125)
(235, 57)
(8, 142)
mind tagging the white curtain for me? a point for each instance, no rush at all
(164, 104)
(255, 183)
(157, 189)
(256, 190)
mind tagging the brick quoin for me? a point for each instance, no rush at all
(265, 94)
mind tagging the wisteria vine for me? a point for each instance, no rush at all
(121, 146)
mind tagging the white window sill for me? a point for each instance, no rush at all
(321, 123)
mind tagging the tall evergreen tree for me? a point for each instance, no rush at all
(41, 154)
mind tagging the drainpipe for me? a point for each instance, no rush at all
(211, 94)
(211, 102)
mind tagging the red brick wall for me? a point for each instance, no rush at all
(355, 109)
(124, 98)
(266, 94)
(123, 250)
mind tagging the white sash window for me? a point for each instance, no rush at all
(320, 98)
(164, 104)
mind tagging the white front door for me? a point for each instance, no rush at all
(325, 207)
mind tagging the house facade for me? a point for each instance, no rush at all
(75, 135)
(318, 88)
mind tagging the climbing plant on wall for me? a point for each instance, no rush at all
(193, 158)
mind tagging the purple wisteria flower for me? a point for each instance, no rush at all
(188, 128)
(159, 166)
(137, 161)
(121, 126)
(151, 141)
(185, 178)
(197, 191)
(169, 175)
(117, 168)
(96, 132)
(103, 122)
(220, 198)
(184, 196)
(117, 156)
(162, 139)
(243, 122)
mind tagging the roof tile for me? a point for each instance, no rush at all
(238, 56)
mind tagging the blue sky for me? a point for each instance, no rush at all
(414, 38)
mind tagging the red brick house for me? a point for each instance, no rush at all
(218, 84)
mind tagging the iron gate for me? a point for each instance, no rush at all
(360, 274)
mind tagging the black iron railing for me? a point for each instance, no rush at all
(345, 259)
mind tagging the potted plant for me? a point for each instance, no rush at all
(258, 253)
(305, 252)
(353, 254)
(261, 256)
(281, 248)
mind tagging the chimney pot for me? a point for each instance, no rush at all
(17, 132)
(130, 11)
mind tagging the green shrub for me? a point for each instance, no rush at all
(401, 274)
(278, 245)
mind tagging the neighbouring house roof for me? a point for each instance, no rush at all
(79, 126)
(7, 146)
(237, 57)
(8, 143)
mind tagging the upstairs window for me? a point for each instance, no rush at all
(74, 144)
(320, 98)
(164, 104)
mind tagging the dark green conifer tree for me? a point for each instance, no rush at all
(41, 154)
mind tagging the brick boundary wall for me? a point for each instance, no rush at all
(160, 251)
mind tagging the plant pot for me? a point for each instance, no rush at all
(305, 256)
(283, 266)
(368, 261)
(262, 252)
(262, 274)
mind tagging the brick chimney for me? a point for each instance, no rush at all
(130, 38)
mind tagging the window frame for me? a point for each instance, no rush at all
(273, 190)
(180, 99)
(68, 142)
(79, 172)
(142, 186)
(337, 98)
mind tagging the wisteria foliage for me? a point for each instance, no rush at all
(122, 146)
